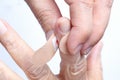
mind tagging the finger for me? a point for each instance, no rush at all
(39, 69)
(45, 54)
(23, 54)
(101, 14)
(7, 74)
(47, 13)
(16, 47)
(94, 63)
(81, 19)
(62, 27)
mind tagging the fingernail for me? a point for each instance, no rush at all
(87, 51)
(55, 43)
(64, 27)
(3, 29)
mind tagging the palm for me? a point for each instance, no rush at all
(77, 67)
(34, 63)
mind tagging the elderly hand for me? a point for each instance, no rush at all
(34, 65)
(89, 19)
(77, 67)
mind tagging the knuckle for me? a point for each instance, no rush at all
(38, 72)
(44, 16)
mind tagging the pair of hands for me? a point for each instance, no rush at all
(33, 63)
(88, 22)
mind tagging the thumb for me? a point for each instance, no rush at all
(94, 70)
(62, 27)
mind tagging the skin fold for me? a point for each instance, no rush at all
(33, 63)
(78, 41)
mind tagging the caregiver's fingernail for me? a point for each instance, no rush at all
(55, 43)
(77, 50)
(87, 51)
(64, 29)
(3, 29)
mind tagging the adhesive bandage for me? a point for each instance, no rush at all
(44, 54)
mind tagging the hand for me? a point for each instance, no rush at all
(34, 63)
(89, 19)
(77, 67)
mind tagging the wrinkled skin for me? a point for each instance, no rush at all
(76, 37)
(89, 19)
(33, 63)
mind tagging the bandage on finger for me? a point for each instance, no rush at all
(44, 54)
(39, 70)
(73, 67)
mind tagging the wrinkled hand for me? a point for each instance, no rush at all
(34, 65)
(89, 19)
(77, 67)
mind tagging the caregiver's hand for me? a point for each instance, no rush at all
(89, 19)
(34, 63)
(77, 67)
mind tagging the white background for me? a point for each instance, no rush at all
(19, 16)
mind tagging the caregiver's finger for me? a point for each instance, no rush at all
(81, 20)
(16, 47)
(7, 74)
(94, 65)
(40, 70)
(101, 14)
(62, 27)
(47, 13)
